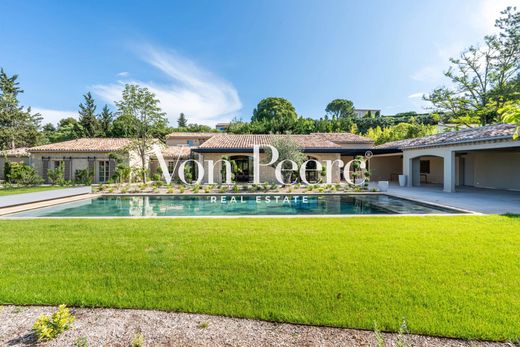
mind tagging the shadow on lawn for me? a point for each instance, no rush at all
(511, 215)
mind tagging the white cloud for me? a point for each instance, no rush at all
(123, 74)
(52, 116)
(486, 12)
(480, 22)
(416, 95)
(204, 97)
(434, 73)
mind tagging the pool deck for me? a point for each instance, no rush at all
(487, 201)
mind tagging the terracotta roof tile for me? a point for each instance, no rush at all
(247, 141)
(344, 137)
(17, 152)
(85, 145)
(191, 135)
(174, 152)
(490, 132)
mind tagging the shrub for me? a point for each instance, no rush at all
(236, 188)
(196, 188)
(23, 174)
(57, 175)
(181, 189)
(83, 177)
(122, 173)
(81, 341)
(138, 340)
(47, 328)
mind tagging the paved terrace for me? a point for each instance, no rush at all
(487, 201)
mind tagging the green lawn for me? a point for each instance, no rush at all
(449, 276)
(23, 190)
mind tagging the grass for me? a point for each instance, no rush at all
(447, 276)
(23, 190)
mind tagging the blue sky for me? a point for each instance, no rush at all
(214, 60)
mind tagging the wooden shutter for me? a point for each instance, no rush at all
(45, 169)
(67, 174)
(91, 168)
(111, 168)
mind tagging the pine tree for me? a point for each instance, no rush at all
(182, 122)
(105, 120)
(87, 117)
(18, 127)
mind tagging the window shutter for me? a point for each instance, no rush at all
(91, 162)
(111, 168)
(45, 169)
(67, 170)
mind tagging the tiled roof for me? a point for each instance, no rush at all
(17, 152)
(490, 132)
(344, 137)
(85, 145)
(174, 152)
(247, 141)
(191, 135)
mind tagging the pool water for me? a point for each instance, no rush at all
(234, 205)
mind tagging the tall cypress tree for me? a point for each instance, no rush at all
(18, 127)
(182, 122)
(87, 117)
(105, 120)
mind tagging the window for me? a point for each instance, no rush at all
(190, 143)
(103, 171)
(425, 166)
(58, 163)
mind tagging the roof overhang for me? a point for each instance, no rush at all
(342, 151)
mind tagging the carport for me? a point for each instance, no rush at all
(484, 157)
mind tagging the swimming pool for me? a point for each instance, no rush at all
(234, 205)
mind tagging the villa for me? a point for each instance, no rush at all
(484, 157)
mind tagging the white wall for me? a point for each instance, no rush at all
(495, 169)
(384, 168)
(493, 165)
(436, 169)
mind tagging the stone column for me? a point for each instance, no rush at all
(449, 171)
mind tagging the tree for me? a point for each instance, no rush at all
(182, 122)
(510, 113)
(18, 126)
(87, 117)
(274, 110)
(288, 149)
(105, 120)
(340, 108)
(400, 131)
(343, 111)
(67, 129)
(140, 109)
(483, 75)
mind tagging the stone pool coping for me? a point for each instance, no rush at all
(5, 212)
